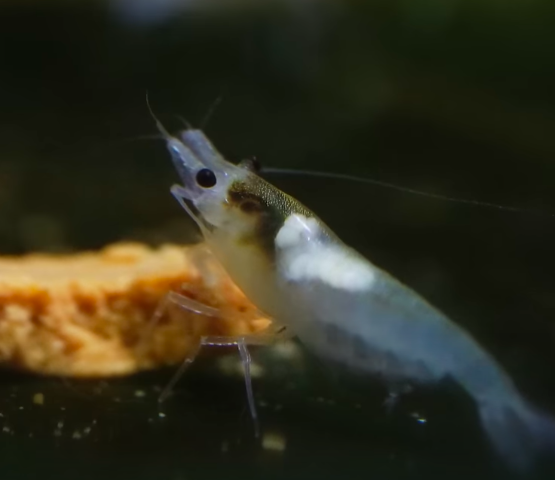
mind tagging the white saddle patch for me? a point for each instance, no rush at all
(307, 258)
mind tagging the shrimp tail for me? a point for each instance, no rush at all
(517, 431)
(520, 433)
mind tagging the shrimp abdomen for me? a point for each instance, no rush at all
(518, 432)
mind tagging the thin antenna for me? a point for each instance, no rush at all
(211, 111)
(159, 125)
(379, 183)
(138, 138)
(184, 121)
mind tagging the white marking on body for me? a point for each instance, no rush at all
(308, 258)
(295, 230)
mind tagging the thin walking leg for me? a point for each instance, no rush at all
(181, 301)
(246, 360)
(178, 374)
(241, 343)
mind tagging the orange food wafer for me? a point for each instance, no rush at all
(88, 314)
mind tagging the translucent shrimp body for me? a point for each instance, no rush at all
(293, 267)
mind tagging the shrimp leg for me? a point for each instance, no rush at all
(180, 300)
(241, 342)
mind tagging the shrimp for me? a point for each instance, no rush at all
(340, 305)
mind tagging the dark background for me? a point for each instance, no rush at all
(449, 97)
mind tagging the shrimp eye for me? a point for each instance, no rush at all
(206, 178)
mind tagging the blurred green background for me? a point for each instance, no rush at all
(451, 97)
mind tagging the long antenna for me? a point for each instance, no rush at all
(184, 121)
(379, 183)
(210, 112)
(159, 125)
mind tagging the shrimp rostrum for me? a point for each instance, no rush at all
(340, 305)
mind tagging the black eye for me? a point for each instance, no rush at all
(206, 178)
